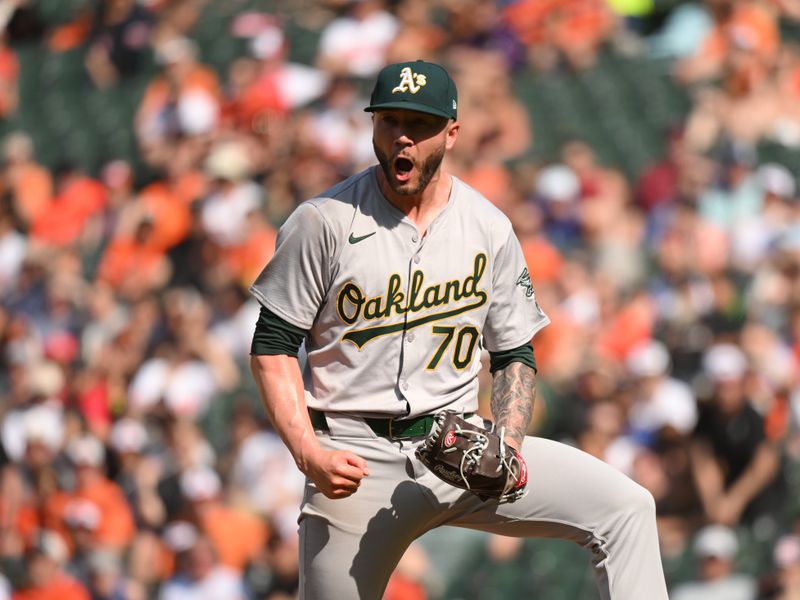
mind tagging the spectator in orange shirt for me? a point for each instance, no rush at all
(133, 265)
(554, 29)
(78, 197)
(232, 214)
(237, 536)
(268, 86)
(116, 527)
(749, 27)
(169, 215)
(170, 199)
(624, 322)
(30, 184)
(184, 100)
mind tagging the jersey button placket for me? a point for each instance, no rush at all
(415, 258)
(410, 336)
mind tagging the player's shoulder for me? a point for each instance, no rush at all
(480, 207)
(333, 208)
(345, 194)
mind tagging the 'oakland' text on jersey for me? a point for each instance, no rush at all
(385, 304)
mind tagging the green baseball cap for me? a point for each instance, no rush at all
(416, 85)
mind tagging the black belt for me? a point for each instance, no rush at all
(388, 428)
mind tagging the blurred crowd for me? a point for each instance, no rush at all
(135, 460)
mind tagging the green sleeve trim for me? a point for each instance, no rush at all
(273, 335)
(523, 354)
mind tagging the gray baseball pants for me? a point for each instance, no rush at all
(349, 547)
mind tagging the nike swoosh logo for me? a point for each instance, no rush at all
(355, 239)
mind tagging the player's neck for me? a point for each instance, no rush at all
(421, 209)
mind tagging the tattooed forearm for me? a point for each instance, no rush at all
(513, 391)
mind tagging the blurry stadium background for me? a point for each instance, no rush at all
(646, 151)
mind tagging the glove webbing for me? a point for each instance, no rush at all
(473, 455)
(475, 452)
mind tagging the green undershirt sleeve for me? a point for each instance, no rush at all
(523, 354)
(273, 335)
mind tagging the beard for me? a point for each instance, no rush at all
(426, 171)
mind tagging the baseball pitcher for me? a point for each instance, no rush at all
(396, 279)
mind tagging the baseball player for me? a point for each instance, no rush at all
(396, 279)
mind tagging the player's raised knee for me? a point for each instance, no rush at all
(639, 500)
(630, 498)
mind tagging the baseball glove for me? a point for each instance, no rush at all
(473, 458)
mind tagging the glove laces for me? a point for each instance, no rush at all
(473, 454)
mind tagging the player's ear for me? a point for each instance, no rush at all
(452, 133)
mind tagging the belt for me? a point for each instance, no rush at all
(388, 428)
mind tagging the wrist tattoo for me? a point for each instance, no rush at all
(513, 391)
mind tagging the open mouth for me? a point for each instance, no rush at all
(403, 168)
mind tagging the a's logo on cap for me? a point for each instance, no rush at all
(410, 81)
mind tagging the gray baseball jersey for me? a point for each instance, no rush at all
(396, 323)
(397, 319)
